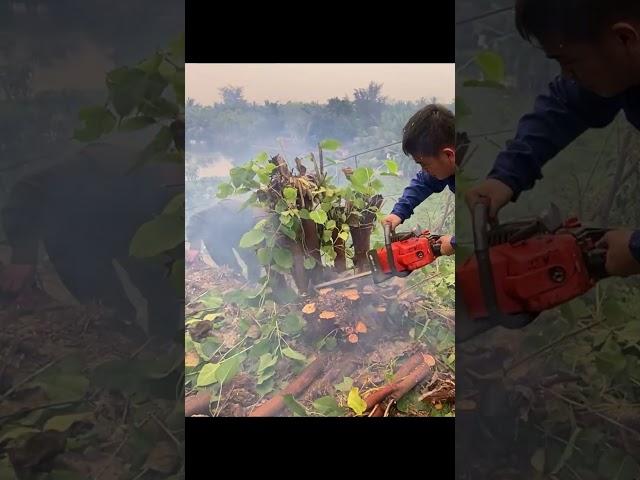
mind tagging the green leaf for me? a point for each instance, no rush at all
(290, 194)
(159, 235)
(361, 175)
(224, 190)
(264, 256)
(296, 408)
(492, 66)
(136, 123)
(309, 263)
(538, 460)
(208, 347)
(330, 225)
(330, 144)
(212, 300)
(292, 324)
(344, 236)
(282, 257)
(318, 216)
(266, 375)
(289, 352)
(97, 121)
(263, 346)
(392, 166)
(265, 387)
(345, 385)
(355, 402)
(207, 375)
(228, 368)
(251, 238)
(328, 406)
(62, 423)
(267, 360)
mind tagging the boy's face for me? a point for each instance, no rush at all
(440, 166)
(607, 66)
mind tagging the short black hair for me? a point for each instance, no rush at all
(428, 131)
(571, 20)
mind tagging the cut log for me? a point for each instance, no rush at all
(273, 406)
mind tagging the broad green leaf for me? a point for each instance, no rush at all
(282, 257)
(292, 324)
(492, 66)
(289, 352)
(290, 193)
(329, 144)
(251, 238)
(224, 190)
(309, 263)
(295, 407)
(267, 360)
(330, 225)
(392, 166)
(228, 368)
(355, 402)
(345, 385)
(159, 235)
(264, 256)
(319, 216)
(207, 375)
(265, 387)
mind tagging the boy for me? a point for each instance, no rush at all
(428, 137)
(597, 44)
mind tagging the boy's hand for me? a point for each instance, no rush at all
(497, 192)
(393, 220)
(191, 255)
(619, 260)
(445, 245)
(14, 278)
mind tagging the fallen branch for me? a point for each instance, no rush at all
(408, 376)
(272, 407)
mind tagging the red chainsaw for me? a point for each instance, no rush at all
(403, 253)
(520, 269)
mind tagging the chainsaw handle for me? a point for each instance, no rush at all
(596, 261)
(387, 245)
(481, 245)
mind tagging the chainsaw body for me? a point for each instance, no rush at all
(523, 268)
(402, 254)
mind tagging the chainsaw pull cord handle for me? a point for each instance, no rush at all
(481, 245)
(387, 246)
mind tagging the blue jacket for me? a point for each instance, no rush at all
(421, 187)
(558, 118)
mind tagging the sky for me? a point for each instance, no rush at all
(319, 82)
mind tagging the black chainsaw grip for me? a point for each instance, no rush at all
(481, 244)
(436, 249)
(387, 245)
(596, 260)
